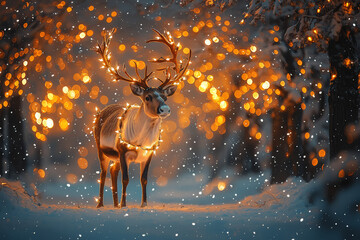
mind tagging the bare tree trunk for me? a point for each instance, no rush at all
(17, 150)
(280, 166)
(2, 143)
(37, 162)
(295, 150)
(249, 162)
(344, 93)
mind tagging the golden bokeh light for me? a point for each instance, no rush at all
(221, 186)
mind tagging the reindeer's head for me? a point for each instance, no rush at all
(153, 98)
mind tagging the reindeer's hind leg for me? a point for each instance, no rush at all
(144, 168)
(125, 178)
(104, 164)
(114, 171)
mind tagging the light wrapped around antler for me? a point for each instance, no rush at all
(103, 50)
(174, 48)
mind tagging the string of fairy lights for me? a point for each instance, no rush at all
(130, 145)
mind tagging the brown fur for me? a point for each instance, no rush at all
(148, 117)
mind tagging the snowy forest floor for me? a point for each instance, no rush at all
(246, 209)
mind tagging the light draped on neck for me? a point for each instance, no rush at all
(140, 129)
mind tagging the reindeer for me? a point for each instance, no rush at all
(133, 133)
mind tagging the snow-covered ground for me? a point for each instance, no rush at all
(182, 209)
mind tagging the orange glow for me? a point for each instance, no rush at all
(244, 76)
(223, 105)
(333, 76)
(265, 85)
(221, 186)
(86, 79)
(71, 178)
(215, 39)
(258, 135)
(197, 74)
(303, 106)
(41, 173)
(220, 120)
(82, 35)
(63, 123)
(113, 14)
(186, 50)
(122, 47)
(162, 181)
(220, 56)
(322, 153)
(49, 123)
(307, 135)
(82, 163)
(237, 93)
(203, 86)
(347, 62)
(314, 162)
(246, 123)
(195, 29)
(104, 100)
(341, 173)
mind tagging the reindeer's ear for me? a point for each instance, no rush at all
(136, 89)
(170, 90)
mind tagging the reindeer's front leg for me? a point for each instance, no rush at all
(144, 167)
(114, 171)
(125, 178)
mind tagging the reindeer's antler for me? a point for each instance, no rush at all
(174, 48)
(103, 50)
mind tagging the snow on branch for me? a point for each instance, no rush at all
(310, 21)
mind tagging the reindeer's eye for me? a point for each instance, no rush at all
(148, 98)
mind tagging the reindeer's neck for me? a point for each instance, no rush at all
(140, 129)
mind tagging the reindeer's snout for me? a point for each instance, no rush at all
(164, 110)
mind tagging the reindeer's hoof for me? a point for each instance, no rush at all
(100, 204)
(122, 205)
(144, 204)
